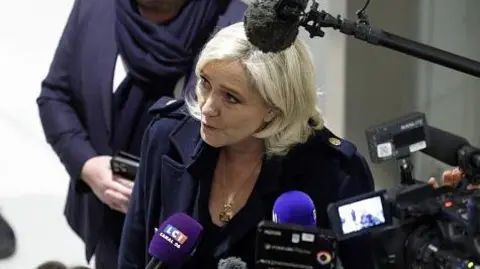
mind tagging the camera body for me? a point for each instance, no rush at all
(398, 138)
(413, 225)
(294, 246)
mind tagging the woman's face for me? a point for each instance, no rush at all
(232, 111)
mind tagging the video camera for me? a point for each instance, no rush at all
(415, 225)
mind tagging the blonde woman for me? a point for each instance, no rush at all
(252, 132)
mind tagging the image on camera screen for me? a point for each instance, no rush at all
(361, 215)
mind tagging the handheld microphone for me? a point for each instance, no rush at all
(295, 207)
(273, 25)
(174, 242)
(232, 263)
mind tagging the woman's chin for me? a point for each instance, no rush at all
(210, 140)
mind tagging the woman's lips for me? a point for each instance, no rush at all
(209, 127)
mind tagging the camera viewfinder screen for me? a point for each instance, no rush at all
(361, 215)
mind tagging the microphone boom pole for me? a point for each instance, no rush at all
(314, 20)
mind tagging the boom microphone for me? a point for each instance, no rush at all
(272, 25)
(174, 241)
(232, 263)
(295, 207)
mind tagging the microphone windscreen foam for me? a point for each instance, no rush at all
(266, 30)
(444, 146)
(232, 263)
(175, 240)
(295, 207)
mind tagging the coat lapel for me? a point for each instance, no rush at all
(180, 191)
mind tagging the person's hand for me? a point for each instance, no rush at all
(111, 190)
(118, 196)
(450, 178)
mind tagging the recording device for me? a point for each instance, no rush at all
(415, 225)
(272, 26)
(125, 165)
(352, 216)
(232, 263)
(292, 239)
(282, 246)
(398, 139)
(418, 227)
(174, 242)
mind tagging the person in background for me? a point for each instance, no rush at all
(58, 265)
(251, 131)
(8, 239)
(52, 265)
(114, 60)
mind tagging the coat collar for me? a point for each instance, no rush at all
(187, 141)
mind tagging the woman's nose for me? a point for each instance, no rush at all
(210, 108)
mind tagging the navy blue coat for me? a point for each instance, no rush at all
(173, 162)
(75, 103)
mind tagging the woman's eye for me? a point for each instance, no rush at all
(204, 83)
(231, 99)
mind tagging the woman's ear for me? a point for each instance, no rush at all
(270, 116)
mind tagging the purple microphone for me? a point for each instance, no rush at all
(174, 242)
(295, 207)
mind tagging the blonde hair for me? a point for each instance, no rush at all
(285, 80)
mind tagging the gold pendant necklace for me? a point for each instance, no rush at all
(227, 212)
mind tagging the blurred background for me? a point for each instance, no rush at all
(360, 85)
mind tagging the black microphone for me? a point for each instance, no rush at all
(452, 150)
(272, 25)
(232, 263)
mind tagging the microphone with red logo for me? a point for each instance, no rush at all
(174, 242)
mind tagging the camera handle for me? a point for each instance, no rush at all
(406, 171)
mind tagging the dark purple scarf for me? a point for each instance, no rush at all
(157, 56)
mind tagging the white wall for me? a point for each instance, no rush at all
(33, 183)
